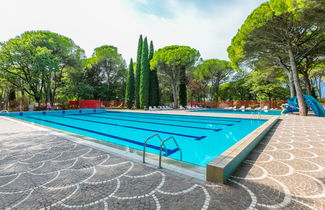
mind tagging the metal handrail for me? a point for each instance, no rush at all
(145, 145)
(163, 144)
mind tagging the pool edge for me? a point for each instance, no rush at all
(171, 165)
(220, 169)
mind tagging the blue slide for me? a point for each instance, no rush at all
(310, 101)
(317, 108)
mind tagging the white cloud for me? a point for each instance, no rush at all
(115, 22)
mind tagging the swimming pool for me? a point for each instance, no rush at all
(227, 111)
(201, 139)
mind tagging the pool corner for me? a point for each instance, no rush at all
(220, 169)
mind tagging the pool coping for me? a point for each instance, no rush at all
(238, 111)
(220, 169)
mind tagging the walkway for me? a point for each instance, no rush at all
(39, 170)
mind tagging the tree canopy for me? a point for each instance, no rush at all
(35, 61)
(213, 72)
(138, 72)
(284, 32)
(129, 95)
(105, 74)
(171, 61)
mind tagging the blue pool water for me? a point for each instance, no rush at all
(262, 112)
(201, 139)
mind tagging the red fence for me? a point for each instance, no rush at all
(74, 103)
(89, 104)
(96, 104)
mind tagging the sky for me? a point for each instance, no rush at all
(206, 25)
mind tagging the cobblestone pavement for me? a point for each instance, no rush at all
(43, 170)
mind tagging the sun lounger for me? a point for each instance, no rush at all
(189, 107)
(265, 108)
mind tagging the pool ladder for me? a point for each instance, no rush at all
(162, 144)
(255, 116)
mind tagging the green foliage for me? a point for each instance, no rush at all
(257, 19)
(36, 62)
(237, 89)
(288, 33)
(104, 75)
(144, 77)
(267, 85)
(138, 72)
(129, 96)
(151, 51)
(215, 72)
(154, 83)
(171, 61)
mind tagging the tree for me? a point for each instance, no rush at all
(182, 87)
(267, 85)
(281, 29)
(103, 76)
(214, 72)
(35, 62)
(138, 72)
(317, 77)
(129, 95)
(154, 83)
(144, 76)
(171, 61)
(196, 89)
(237, 88)
(310, 62)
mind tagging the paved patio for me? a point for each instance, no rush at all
(42, 170)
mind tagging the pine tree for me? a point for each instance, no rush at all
(144, 76)
(182, 88)
(138, 73)
(154, 86)
(129, 95)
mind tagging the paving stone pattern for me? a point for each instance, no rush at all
(42, 170)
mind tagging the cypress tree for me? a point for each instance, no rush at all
(144, 76)
(129, 95)
(154, 86)
(182, 88)
(138, 72)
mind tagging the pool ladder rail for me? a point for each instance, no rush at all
(162, 144)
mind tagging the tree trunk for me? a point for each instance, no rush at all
(216, 93)
(48, 90)
(301, 101)
(175, 95)
(307, 83)
(291, 84)
(290, 77)
(319, 86)
(182, 87)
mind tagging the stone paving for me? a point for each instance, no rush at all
(41, 170)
